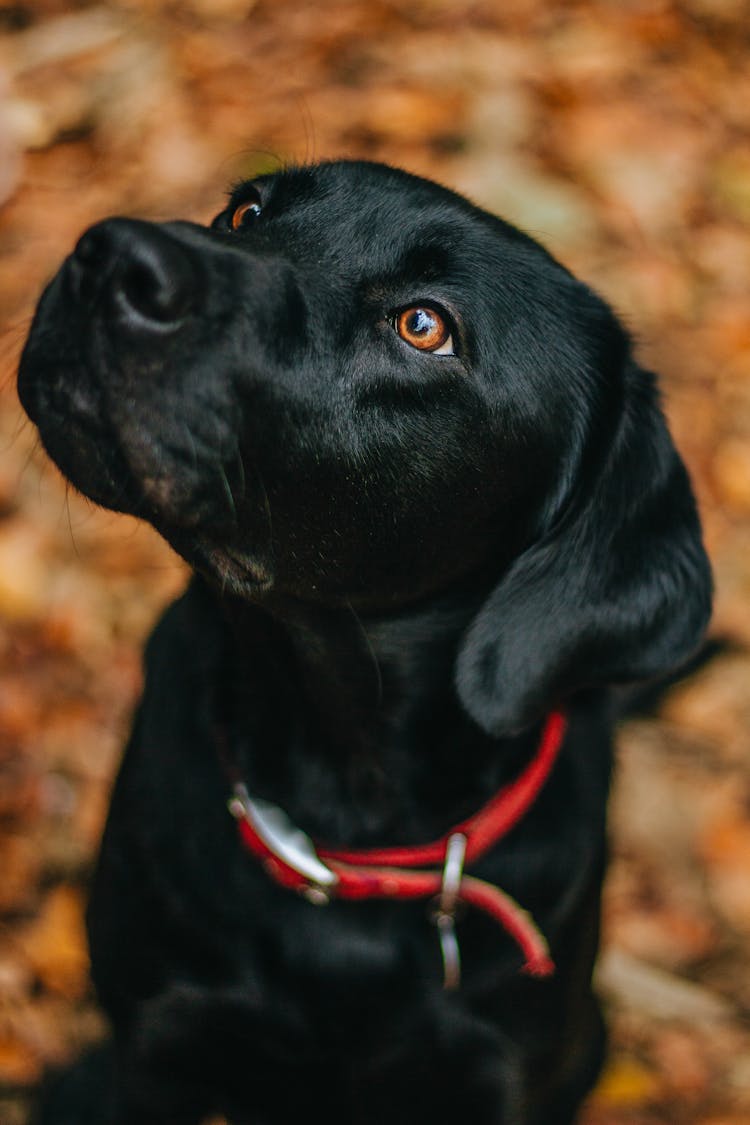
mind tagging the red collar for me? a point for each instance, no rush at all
(424, 871)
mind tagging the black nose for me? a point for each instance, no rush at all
(140, 267)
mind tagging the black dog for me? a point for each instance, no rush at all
(433, 510)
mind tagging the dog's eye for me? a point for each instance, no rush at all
(424, 328)
(246, 213)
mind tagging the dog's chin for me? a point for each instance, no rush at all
(90, 465)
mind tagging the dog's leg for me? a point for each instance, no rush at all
(192, 1052)
(98, 1090)
(165, 1073)
(585, 1060)
(448, 1066)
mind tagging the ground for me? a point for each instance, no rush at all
(617, 133)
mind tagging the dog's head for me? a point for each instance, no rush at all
(357, 387)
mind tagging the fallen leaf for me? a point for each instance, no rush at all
(19, 1064)
(626, 1082)
(731, 474)
(54, 943)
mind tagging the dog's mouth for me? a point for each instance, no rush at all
(133, 458)
(200, 509)
(140, 454)
(235, 572)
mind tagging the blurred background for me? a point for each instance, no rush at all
(617, 134)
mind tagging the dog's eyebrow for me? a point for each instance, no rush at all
(426, 261)
(421, 264)
(239, 191)
(418, 264)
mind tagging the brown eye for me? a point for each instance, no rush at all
(425, 329)
(246, 213)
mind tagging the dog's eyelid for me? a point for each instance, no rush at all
(242, 192)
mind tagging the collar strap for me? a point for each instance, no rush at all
(433, 870)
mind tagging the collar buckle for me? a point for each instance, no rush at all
(445, 915)
(283, 840)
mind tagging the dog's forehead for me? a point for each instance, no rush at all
(380, 212)
(363, 188)
(362, 230)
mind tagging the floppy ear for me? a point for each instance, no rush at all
(618, 590)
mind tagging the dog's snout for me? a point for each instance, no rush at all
(141, 268)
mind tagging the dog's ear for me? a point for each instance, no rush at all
(619, 589)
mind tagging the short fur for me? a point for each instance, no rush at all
(403, 561)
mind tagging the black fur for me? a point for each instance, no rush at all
(403, 561)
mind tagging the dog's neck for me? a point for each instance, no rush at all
(351, 722)
(361, 675)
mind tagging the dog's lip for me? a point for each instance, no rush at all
(234, 568)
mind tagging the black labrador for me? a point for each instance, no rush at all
(433, 511)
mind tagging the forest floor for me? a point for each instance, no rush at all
(617, 134)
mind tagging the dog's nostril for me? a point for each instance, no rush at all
(156, 293)
(88, 263)
(88, 251)
(142, 268)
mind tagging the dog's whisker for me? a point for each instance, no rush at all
(32, 455)
(308, 123)
(239, 464)
(69, 517)
(21, 426)
(375, 663)
(266, 505)
(227, 491)
(11, 342)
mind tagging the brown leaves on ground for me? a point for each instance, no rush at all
(618, 135)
